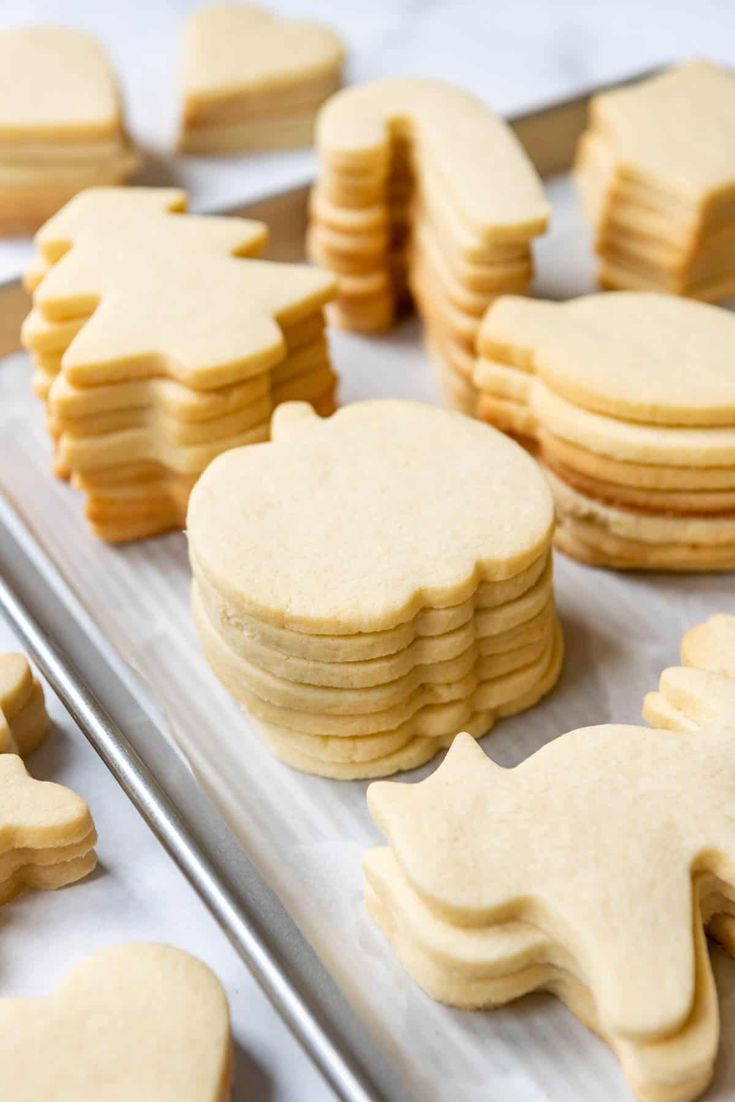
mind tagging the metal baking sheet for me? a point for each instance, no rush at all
(306, 836)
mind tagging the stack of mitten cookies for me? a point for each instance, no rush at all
(656, 169)
(630, 398)
(423, 193)
(251, 81)
(61, 125)
(160, 342)
(498, 882)
(368, 583)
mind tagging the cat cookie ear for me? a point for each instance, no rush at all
(466, 769)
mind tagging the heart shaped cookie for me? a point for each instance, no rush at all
(136, 1022)
(252, 81)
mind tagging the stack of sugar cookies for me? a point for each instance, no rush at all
(656, 169)
(251, 81)
(148, 1021)
(423, 189)
(504, 368)
(630, 397)
(61, 125)
(701, 692)
(24, 720)
(369, 583)
(591, 870)
(160, 342)
(47, 836)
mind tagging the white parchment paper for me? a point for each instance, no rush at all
(307, 834)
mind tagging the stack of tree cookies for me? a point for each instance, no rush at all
(159, 342)
(657, 173)
(367, 584)
(423, 192)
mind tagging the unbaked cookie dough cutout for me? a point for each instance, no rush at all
(61, 123)
(434, 534)
(136, 1021)
(252, 81)
(160, 340)
(655, 170)
(628, 400)
(424, 196)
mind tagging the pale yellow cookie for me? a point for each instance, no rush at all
(151, 320)
(676, 130)
(690, 698)
(55, 85)
(47, 836)
(136, 371)
(711, 646)
(61, 126)
(482, 967)
(633, 442)
(135, 1021)
(24, 721)
(655, 172)
(482, 533)
(452, 127)
(252, 81)
(467, 840)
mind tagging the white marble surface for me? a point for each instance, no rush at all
(516, 54)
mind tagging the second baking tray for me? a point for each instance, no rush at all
(307, 835)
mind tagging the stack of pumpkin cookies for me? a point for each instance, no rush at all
(367, 584)
(159, 342)
(251, 81)
(425, 194)
(631, 399)
(61, 125)
(657, 173)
